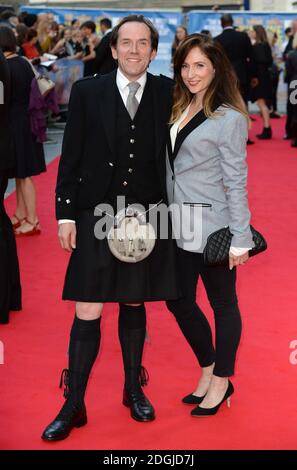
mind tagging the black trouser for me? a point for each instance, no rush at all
(275, 82)
(219, 283)
(10, 289)
(290, 111)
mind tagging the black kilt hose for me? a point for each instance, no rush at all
(94, 274)
(105, 154)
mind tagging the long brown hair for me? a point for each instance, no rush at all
(176, 42)
(261, 35)
(223, 90)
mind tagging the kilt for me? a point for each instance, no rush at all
(95, 275)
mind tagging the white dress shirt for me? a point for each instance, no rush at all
(122, 84)
(236, 251)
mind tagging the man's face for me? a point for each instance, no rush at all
(133, 50)
(86, 32)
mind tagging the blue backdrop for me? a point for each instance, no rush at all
(274, 22)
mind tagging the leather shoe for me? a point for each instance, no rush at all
(70, 416)
(140, 407)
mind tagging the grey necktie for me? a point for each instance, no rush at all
(132, 103)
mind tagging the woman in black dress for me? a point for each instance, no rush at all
(29, 154)
(262, 92)
(181, 33)
(10, 288)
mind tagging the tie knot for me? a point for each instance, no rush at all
(133, 87)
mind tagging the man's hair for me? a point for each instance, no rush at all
(30, 19)
(226, 20)
(135, 19)
(7, 39)
(6, 14)
(106, 22)
(90, 25)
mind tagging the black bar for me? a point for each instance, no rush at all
(183, 459)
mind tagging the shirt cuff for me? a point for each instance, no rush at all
(66, 221)
(236, 251)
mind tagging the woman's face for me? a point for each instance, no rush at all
(180, 34)
(197, 71)
(252, 35)
(77, 35)
(67, 34)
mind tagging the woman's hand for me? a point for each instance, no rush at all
(237, 260)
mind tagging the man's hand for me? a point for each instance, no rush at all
(237, 260)
(67, 236)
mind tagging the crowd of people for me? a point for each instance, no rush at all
(39, 35)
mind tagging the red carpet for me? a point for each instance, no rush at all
(263, 414)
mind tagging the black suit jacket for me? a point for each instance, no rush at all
(6, 146)
(239, 50)
(104, 62)
(88, 153)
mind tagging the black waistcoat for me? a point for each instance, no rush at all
(135, 173)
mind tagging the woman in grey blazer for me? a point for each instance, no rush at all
(206, 184)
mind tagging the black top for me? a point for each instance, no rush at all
(239, 50)
(6, 148)
(28, 153)
(263, 61)
(104, 62)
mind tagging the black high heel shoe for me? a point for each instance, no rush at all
(192, 399)
(199, 411)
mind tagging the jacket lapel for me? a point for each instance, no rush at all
(196, 121)
(161, 109)
(108, 108)
(169, 148)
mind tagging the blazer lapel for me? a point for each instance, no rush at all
(107, 106)
(196, 121)
(169, 147)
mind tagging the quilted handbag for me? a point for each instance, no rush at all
(216, 251)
